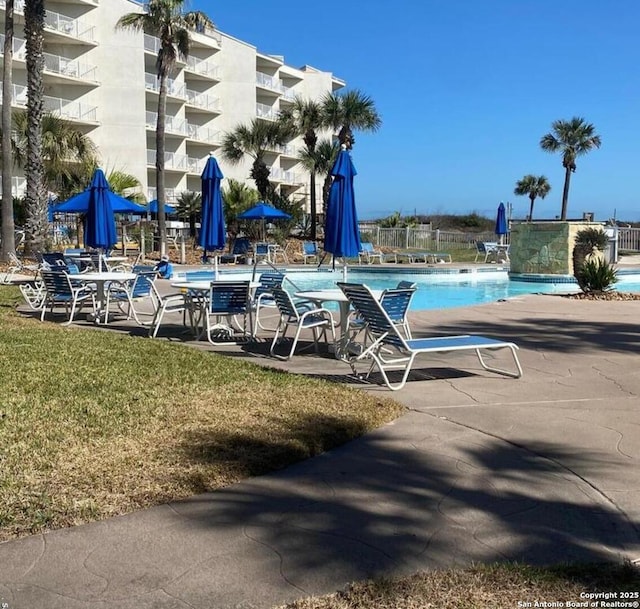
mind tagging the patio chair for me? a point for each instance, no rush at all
(241, 248)
(488, 249)
(59, 290)
(126, 293)
(310, 251)
(369, 254)
(303, 317)
(390, 350)
(263, 297)
(34, 293)
(170, 303)
(227, 301)
(261, 252)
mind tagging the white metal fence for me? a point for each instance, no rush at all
(426, 238)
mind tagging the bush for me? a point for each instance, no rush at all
(596, 275)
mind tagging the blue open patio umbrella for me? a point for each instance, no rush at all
(341, 234)
(213, 232)
(100, 226)
(79, 204)
(153, 208)
(502, 227)
(263, 211)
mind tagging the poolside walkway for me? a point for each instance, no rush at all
(541, 469)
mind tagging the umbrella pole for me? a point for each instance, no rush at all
(215, 267)
(344, 270)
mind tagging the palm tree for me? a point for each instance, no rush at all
(344, 112)
(237, 197)
(190, 206)
(533, 187)
(305, 117)
(8, 225)
(254, 140)
(36, 224)
(126, 185)
(165, 19)
(322, 161)
(572, 138)
(68, 155)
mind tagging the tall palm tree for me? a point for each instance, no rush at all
(165, 19)
(36, 225)
(322, 161)
(532, 187)
(68, 155)
(190, 206)
(237, 197)
(572, 138)
(305, 117)
(254, 140)
(344, 112)
(8, 225)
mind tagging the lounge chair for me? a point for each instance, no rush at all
(369, 254)
(241, 249)
(488, 249)
(17, 266)
(310, 251)
(391, 350)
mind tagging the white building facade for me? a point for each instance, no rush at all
(103, 80)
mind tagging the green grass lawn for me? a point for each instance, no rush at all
(94, 423)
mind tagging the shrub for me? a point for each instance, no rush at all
(596, 275)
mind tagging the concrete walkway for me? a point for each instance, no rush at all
(541, 469)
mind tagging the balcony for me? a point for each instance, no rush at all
(174, 89)
(204, 102)
(170, 193)
(206, 69)
(64, 108)
(172, 125)
(74, 28)
(172, 161)
(287, 177)
(195, 165)
(54, 64)
(203, 134)
(266, 112)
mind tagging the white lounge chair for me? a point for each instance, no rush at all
(391, 350)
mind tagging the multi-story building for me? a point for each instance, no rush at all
(103, 80)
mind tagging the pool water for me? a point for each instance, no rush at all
(435, 291)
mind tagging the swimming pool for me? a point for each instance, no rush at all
(437, 290)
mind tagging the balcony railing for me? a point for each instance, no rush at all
(195, 165)
(203, 134)
(170, 193)
(267, 112)
(174, 89)
(204, 101)
(204, 68)
(66, 25)
(171, 160)
(281, 175)
(274, 84)
(171, 125)
(65, 108)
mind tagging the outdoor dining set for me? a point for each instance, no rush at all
(370, 327)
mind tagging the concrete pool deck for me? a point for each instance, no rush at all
(541, 469)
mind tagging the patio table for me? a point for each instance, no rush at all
(100, 279)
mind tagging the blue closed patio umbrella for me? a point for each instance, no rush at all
(341, 234)
(263, 211)
(213, 233)
(502, 227)
(100, 226)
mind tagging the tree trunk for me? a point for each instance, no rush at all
(533, 198)
(565, 193)
(160, 146)
(8, 227)
(37, 223)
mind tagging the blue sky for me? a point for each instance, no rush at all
(466, 89)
